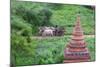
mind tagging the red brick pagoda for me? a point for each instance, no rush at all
(76, 50)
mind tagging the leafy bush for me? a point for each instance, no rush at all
(21, 47)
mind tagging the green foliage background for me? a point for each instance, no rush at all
(26, 17)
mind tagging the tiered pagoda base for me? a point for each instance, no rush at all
(73, 57)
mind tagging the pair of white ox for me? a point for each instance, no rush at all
(46, 31)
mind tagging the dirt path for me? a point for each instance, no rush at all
(47, 37)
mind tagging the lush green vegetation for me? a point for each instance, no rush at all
(48, 51)
(45, 14)
(26, 17)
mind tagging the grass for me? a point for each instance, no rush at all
(51, 50)
(91, 46)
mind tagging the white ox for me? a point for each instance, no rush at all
(47, 31)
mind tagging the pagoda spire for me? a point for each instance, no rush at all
(78, 30)
(77, 51)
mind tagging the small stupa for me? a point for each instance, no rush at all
(76, 50)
